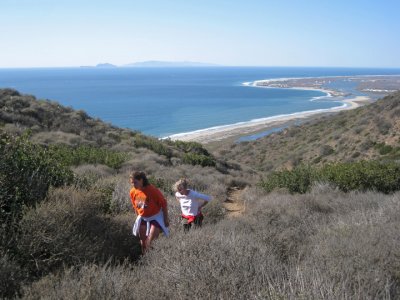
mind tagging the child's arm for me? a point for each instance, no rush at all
(203, 197)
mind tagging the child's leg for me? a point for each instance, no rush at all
(154, 233)
(198, 221)
(186, 225)
(142, 236)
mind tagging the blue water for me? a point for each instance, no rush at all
(166, 101)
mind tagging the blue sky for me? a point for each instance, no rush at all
(351, 33)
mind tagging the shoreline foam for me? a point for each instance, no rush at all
(218, 133)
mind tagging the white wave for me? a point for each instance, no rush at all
(254, 122)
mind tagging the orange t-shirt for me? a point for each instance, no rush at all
(148, 201)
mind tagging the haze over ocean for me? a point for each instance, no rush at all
(166, 101)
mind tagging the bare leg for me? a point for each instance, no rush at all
(154, 232)
(142, 236)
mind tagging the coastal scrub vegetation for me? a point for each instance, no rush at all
(326, 244)
(318, 220)
(85, 154)
(50, 123)
(27, 171)
(364, 175)
(368, 132)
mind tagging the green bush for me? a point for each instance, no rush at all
(152, 144)
(190, 147)
(162, 183)
(383, 149)
(326, 150)
(11, 276)
(74, 156)
(194, 153)
(296, 181)
(363, 175)
(198, 159)
(26, 173)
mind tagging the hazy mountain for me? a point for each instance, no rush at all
(159, 64)
(105, 65)
(101, 65)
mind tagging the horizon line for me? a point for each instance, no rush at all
(206, 65)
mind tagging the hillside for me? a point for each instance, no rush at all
(50, 123)
(66, 218)
(368, 132)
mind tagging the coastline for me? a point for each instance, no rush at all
(264, 84)
(227, 132)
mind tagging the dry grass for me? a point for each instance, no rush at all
(322, 245)
(97, 171)
(70, 228)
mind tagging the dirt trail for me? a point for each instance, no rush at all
(234, 203)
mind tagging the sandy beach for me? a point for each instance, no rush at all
(219, 133)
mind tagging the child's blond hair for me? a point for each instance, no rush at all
(181, 183)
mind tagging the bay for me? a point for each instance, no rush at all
(167, 101)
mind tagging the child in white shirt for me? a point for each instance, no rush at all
(191, 203)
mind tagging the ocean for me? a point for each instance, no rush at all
(166, 101)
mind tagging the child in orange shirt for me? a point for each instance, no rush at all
(151, 209)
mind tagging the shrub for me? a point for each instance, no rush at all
(366, 145)
(193, 153)
(11, 276)
(162, 183)
(316, 246)
(120, 201)
(90, 281)
(214, 211)
(296, 181)
(395, 113)
(383, 149)
(198, 159)
(383, 125)
(364, 175)
(326, 150)
(73, 156)
(152, 144)
(8, 92)
(70, 228)
(98, 171)
(192, 147)
(26, 173)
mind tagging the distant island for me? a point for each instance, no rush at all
(105, 65)
(101, 65)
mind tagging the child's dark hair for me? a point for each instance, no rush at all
(140, 175)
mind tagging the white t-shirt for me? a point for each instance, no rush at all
(190, 203)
